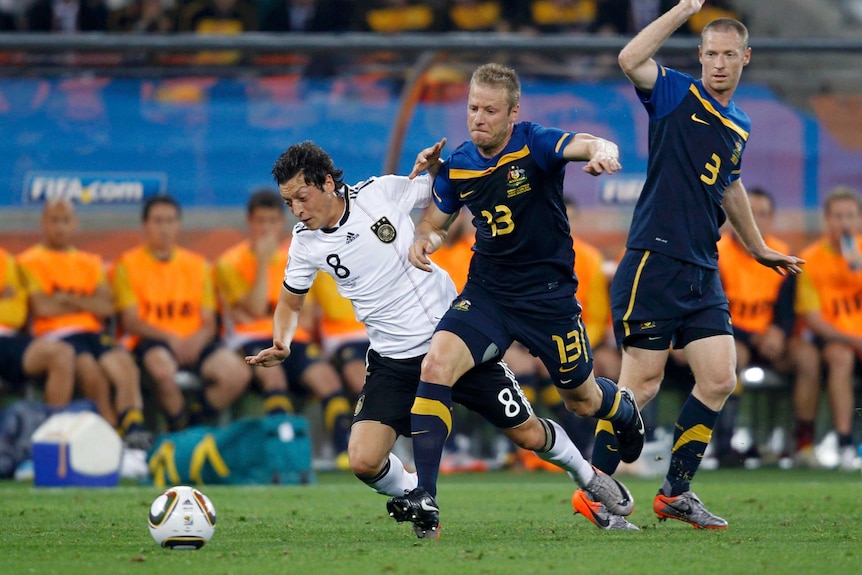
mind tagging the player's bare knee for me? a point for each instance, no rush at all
(728, 386)
(647, 392)
(365, 463)
(436, 369)
(718, 389)
(363, 467)
(531, 435)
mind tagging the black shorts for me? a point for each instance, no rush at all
(552, 330)
(658, 301)
(489, 389)
(92, 343)
(12, 348)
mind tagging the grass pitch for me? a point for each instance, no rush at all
(496, 523)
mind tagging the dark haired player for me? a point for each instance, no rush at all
(361, 235)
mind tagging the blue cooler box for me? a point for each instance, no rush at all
(76, 449)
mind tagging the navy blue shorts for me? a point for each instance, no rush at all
(348, 352)
(92, 343)
(489, 389)
(146, 345)
(657, 301)
(302, 356)
(552, 330)
(12, 348)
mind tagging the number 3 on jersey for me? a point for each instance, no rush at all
(712, 169)
(500, 221)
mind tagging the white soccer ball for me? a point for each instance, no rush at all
(182, 518)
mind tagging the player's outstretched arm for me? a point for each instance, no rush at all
(602, 156)
(285, 320)
(738, 209)
(428, 160)
(429, 236)
(636, 58)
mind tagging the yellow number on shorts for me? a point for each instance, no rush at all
(570, 348)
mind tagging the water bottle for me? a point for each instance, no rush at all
(849, 250)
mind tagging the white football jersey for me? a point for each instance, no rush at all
(366, 254)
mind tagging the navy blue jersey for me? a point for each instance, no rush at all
(695, 151)
(523, 246)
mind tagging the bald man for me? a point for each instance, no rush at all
(70, 300)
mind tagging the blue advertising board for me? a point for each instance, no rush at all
(212, 141)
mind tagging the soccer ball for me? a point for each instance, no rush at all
(182, 518)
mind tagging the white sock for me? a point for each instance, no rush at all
(565, 454)
(396, 481)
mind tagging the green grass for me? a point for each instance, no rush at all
(502, 523)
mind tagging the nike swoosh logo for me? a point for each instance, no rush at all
(694, 118)
(599, 519)
(654, 337)
(463, 195)
(420, 431)
(611, 448)
(639, 420)
(568, 369)
(565, 381)
(426, 507)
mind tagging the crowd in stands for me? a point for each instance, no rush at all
(383, 16)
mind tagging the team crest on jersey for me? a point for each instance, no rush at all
(384, 230)
(737, 153)
(516, 182)
(461, 304)
(516, 176)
